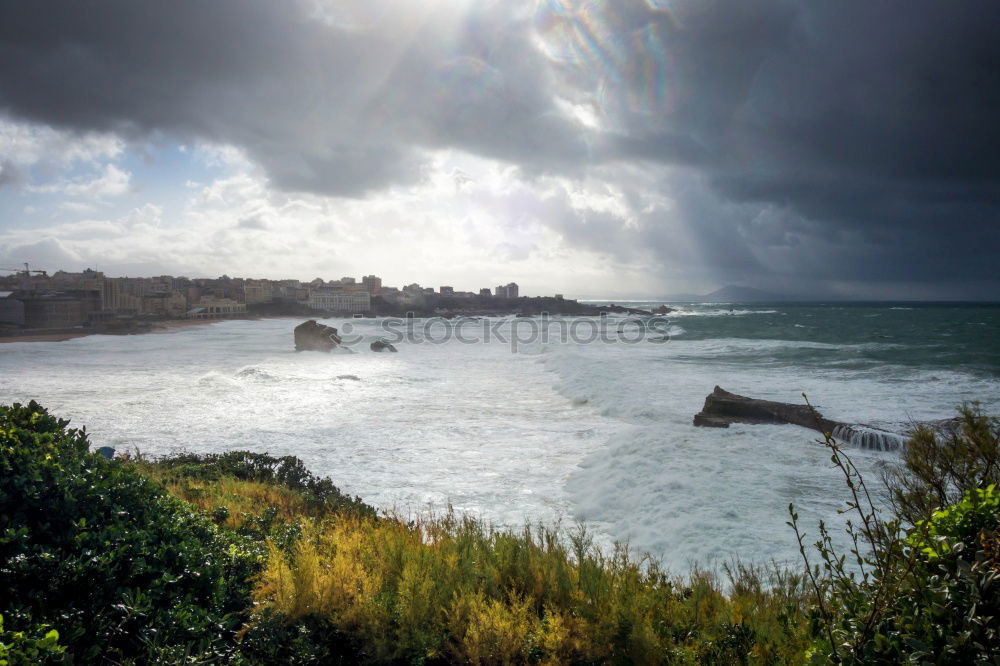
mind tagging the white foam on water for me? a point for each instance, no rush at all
(554, 432)
(698, 495)
(715, 312)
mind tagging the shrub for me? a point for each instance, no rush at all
(22, 648)
(123, 570)
(927, 593)
(939, 468)
(944, 602)
(950, 614)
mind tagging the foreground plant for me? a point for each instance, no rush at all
(454, 590)
(40, 646)
(940, 467)
(926, 593)
(124, 571)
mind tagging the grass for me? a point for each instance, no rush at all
(453, 589)
(233, 501)
(457, 590)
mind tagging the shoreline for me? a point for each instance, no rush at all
(159, 327)
(168, 325)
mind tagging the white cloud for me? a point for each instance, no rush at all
(148, 215)
(75, 207)
(470, 223)
(27, 144)
(111, 182)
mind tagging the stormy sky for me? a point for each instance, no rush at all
(597, 148)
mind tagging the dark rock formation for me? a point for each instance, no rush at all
(618, 309)
(722, 408)
(310, 336)
(381, 345)
(662, 310)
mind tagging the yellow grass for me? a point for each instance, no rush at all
(240, 498)
(456, 590)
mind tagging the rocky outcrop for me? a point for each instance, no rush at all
(381, 345)
(618, 309)
(723, 408)
(311, 336)
(662, 310)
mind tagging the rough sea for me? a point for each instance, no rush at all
(495, 421)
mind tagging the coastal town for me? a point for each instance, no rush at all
(32, 300)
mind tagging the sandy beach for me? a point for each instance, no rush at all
(61, 336)
(50, 337)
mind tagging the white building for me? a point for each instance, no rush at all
(340, 301)
(509, 290)
(214, 308)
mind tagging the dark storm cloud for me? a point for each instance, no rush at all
(824, 140)
(324, 106)
(866, 134)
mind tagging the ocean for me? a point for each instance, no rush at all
(495, 421)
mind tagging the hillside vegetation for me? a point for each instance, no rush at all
(243, 558)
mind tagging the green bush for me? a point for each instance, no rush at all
(944, 601)
(20, 647)
(923, 594)
(939, 467)
(950, 613)
(125, 572)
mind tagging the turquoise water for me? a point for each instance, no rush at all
(960, 337)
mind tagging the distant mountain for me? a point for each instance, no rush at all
(682, 298)
(734, 294)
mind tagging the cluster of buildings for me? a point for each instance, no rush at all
(508, 290)
(36, 300)
(347, 295)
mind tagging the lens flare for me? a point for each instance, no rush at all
(624, 50)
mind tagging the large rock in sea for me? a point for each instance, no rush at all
(311, 336)
(723, 408)
(382, 345)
